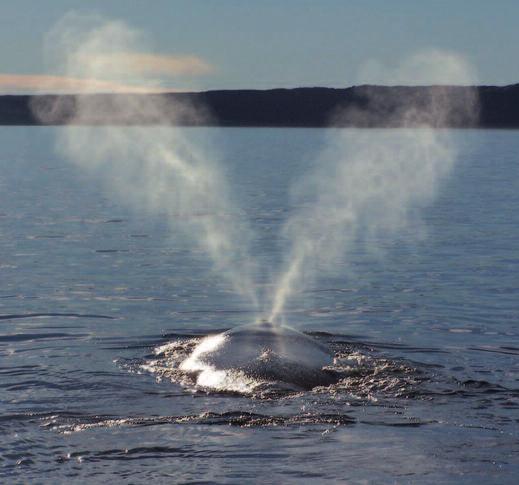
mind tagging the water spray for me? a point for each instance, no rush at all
(156, 169)
(365, 185)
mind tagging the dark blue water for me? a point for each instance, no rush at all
(99, 303)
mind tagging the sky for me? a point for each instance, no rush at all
(261, 44)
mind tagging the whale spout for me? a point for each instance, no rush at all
(261, 352)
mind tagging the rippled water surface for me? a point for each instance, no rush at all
(99, 304)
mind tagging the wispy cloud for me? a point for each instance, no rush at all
(41, 83)
(153, 73)
(151, 64)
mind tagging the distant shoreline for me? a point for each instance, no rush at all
(498, 107)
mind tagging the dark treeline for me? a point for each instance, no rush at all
(361, 106)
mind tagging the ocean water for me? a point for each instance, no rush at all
(99, 303)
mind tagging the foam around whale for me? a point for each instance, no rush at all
(260, 352)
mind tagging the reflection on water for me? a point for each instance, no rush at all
(99, 306)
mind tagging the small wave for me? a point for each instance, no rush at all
(20, 337)
(47, 236)
(50, 315)
(69, 423)
(497, 350)
(114, 221)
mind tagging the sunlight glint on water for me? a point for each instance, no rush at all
(425, 338)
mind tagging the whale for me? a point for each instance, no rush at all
(261, 352)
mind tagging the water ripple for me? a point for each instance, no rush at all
(50, 315)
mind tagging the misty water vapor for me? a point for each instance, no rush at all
(157, 169)
(367, 183)
(371, 184)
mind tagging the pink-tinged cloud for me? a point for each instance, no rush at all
(141, 63)
(147, 70)
(40, 83)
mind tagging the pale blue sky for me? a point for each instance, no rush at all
(285, 43)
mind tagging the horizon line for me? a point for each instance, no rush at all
(173, 91)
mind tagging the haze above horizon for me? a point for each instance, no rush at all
(204, 45)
